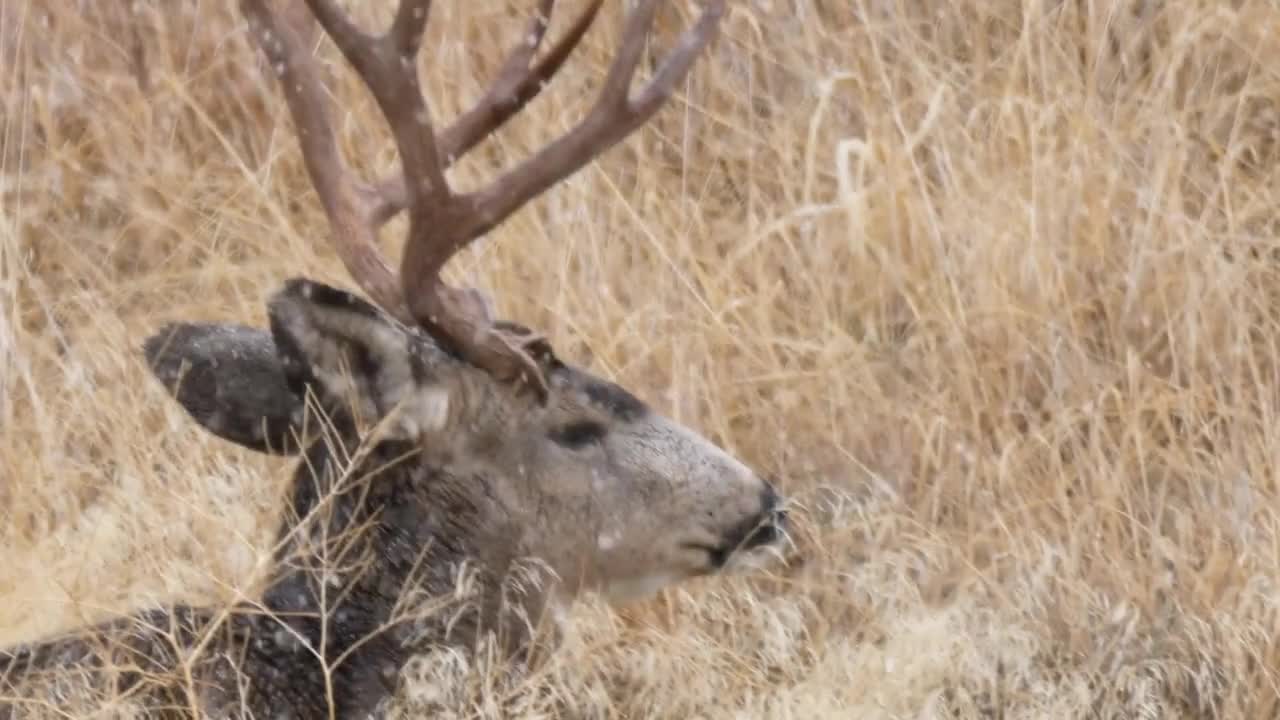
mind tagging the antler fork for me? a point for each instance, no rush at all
(441, 220)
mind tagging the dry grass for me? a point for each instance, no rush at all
(991, 285)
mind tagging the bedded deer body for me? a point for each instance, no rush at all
(458, 482)
(421, 477)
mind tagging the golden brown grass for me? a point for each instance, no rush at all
(991, 286)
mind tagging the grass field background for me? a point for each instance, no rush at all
(991, 286)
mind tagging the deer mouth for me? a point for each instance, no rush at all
(767, 529)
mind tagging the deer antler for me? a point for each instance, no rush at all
(442, 221)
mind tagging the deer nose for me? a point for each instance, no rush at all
(772, 504)
(772, 522)
(767, 534)
(769, 498)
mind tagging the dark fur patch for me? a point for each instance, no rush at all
(621, 404)
(297, 371)
(417, 363)
(327, 295)
(363, 366)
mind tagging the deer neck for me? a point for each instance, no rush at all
(382, 567)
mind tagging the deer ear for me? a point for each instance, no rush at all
(357, 359)
(229, 379)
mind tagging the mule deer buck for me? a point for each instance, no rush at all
(439, 446)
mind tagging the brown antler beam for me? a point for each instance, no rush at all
(517, 84)
(346, 202)
(442, 222)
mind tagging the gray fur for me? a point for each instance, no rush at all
(456, 482)
(229, 379)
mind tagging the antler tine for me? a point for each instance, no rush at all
(387, 65)
(516, 85)
(614, 116)
(344, 199)
(517, 82)
(453, 314)
(442, 222)
(458, 319)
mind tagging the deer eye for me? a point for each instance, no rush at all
(577, 435)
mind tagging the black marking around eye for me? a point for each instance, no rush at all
(579, 434)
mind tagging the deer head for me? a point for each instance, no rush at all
(572, 469)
